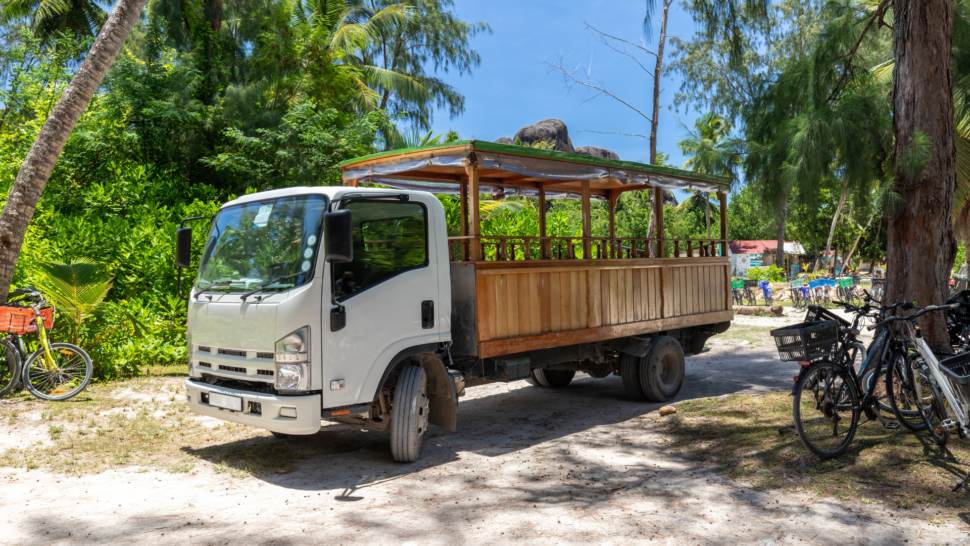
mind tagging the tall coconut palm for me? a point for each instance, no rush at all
(37, 166)
(83, 18)
(708, 150)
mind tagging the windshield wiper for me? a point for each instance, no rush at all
(267, 283)
(213, 285)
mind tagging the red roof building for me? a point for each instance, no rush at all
(759, 247)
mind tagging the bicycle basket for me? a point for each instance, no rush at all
(737, 283)
(845, 282)
(749, 283)
(20, 320)
(957, 370)
(877, 282)
(856, 280)
(798, 283)
(819, 314)
(806, 341)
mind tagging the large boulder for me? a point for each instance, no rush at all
(596, 151)
(669, 198)
(547, 129)
(504, 140)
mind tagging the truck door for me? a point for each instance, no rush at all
(389, 291)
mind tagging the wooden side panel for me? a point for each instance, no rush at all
(595, 298)
(555, 303)
(545, 302)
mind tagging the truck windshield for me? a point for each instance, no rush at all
(257, 242)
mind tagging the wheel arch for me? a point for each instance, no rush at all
(443, 400)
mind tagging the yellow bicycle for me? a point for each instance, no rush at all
(55, 371)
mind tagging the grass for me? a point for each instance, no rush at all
(744, 436)
(141, 422)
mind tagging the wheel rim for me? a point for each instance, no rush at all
(668, 370)
(63, 380)
(822, 417)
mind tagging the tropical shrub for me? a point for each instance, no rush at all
(771, 273)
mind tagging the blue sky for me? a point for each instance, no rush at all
(513, 86)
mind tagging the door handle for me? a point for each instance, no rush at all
(427, 314)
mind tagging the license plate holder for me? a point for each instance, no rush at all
(231, 403)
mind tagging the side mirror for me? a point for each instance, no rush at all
(338, 236)
(183, 248)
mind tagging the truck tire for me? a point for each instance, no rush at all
(630, 372)
(551, 379)
(409, 414)
(662, 370)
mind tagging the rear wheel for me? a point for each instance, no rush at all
(65, 377)
(933, 408)
(662, 370)
(552, 379)
(823, 409)
(902, 392)
(630, 372)
(409, 415)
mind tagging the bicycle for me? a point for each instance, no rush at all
(54, 370)
(765, 287)
(737, 291)
(749, 286)
(836, 371)
(798, 292)
(878, 289)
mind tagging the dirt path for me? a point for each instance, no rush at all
(527, 465)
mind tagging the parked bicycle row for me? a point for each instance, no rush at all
(804, 292)
(49, 371)
(840, 376)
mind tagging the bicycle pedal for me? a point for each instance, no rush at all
(948, 425)
(892, 425)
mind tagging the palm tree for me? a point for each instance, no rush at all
(36, 168)
(83, 18)
(709, 151)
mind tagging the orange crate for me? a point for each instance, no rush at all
(20, 320)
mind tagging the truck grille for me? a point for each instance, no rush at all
(264, 355)
(232, 352)
(205, 365)
(265, 372)
(204, 349)
(232, 369)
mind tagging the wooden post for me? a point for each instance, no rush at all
(587, 221)
(613, 198)
(543, 243)
(722, 197)
(658, 199)
(475, 228)
(463, 213)
(352, 183)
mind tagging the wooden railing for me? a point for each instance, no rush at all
(511, 249)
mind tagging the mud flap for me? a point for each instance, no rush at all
(442, 398)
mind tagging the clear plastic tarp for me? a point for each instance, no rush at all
(525, 166)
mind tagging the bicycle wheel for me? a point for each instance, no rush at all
(932, 409)
(824, 399)
(902, 392)
(9, 368)
(71, 373)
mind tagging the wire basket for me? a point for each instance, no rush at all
(749, 283)
(737, 283)
(856, 280)
(806, 341)
(797, 283)
(20, 320)
(819, 314)
(957, 370)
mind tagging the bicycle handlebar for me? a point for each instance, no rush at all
(930, 309)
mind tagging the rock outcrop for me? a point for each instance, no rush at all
(596, 151)
(547, 129)
(504, 140)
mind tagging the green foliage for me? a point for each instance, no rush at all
(771, 273)
(77, 289)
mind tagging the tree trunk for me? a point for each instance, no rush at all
(920, 241)
(655, 120)
(39, 163)
(835, 222)
(782, 220)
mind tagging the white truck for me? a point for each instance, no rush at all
(353, 305)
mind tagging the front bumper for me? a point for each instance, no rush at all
(306, 408)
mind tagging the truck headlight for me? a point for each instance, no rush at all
(293, 361)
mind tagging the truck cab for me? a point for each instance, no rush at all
(352, 305)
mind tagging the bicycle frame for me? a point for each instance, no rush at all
(933, 365)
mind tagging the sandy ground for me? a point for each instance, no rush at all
(527, 465)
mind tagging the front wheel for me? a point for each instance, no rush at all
(409, 414)
(826, 409)
(933, 408)
(9, 368)
(67, 375)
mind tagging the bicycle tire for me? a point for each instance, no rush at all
(934, 412)
(838, 389)
(46, 386)
(902, 392)
(10, 368)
